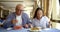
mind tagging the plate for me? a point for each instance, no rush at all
(47, 29)
(9, 28)
(35, 30)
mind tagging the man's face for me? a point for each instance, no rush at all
(19, 10)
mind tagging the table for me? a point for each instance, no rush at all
(5, 30)
(25, 30)
(22, 30)
(50, 30)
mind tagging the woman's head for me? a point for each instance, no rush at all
(38, 13)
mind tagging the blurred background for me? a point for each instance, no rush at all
(50, 7)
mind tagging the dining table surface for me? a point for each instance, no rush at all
(27, 30)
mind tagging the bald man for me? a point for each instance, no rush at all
(17, 18)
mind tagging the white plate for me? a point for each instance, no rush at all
(9, 28)
(47, 29)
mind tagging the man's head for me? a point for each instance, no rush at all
(19, 9)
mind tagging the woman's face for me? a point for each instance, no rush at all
(39, 14)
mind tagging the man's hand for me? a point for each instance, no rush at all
(26, 25)
(30, 25)
(14, 21)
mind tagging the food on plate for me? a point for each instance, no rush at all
(35, 28)
(17, 27)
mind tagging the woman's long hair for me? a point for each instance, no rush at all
(38, 9)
